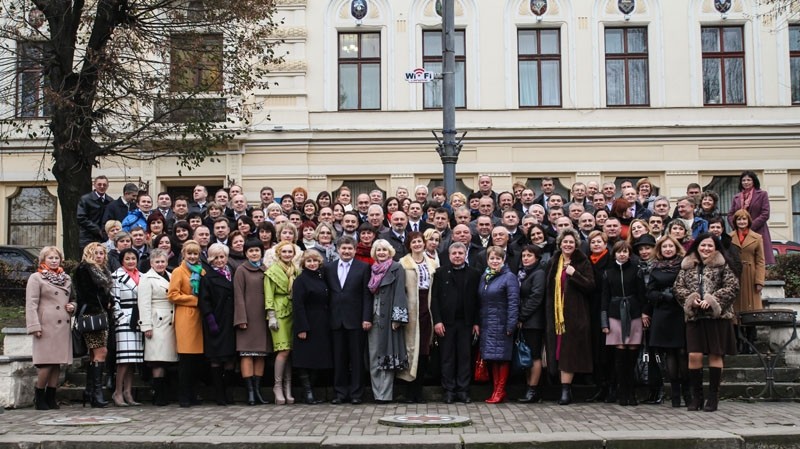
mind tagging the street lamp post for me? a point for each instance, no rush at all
(448, 148)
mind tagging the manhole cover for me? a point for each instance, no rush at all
(84, 421)
(426, 420)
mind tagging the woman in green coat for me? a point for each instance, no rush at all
(278, 282)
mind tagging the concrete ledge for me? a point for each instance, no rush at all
(561, 440)
(658, 439)
(138, 442)
(17, 341)
(393, 441)
(782, 437)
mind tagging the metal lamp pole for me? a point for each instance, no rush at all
(448, 148)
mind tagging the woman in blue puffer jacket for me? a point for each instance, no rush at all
(499, 298)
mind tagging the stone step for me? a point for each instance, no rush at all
(728, 390)
(746, 361)
(785, 374)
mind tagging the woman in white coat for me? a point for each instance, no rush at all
(156, 322)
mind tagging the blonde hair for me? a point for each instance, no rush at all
(47, 250)
(310, 254)
(286, 225)
(111, 223)
(190, 246)
(381, 243)
(88, 252)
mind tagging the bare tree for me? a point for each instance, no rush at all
(140, 79)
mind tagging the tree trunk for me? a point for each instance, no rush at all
(74, 177)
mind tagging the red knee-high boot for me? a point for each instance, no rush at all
(500, 371)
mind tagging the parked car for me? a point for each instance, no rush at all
(16, 265)
(785, 247)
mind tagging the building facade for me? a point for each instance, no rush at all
(679, 91)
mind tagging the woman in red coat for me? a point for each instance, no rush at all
(756, 202)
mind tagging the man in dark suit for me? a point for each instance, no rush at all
(396, 236)
(350, 319)
(454, 306)
(119, 208)
(91, 208)
(415, 221)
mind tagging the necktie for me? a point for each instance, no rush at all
(416, 227)
(342, 273)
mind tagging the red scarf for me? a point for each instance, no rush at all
(133, 274)
(596, 257)
(742, 233)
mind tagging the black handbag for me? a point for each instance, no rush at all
(79, 348)
(90, 323)
(521, 357)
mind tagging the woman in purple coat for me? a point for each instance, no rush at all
(499, 298)
(756, 202)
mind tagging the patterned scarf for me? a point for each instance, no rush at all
(559, 298)
(379, 270)
(224, 271)
(57, 277)
(747, 195)
(194, 280)
(489, 274)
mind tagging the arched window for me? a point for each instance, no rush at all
(460, 187)
(32, 217)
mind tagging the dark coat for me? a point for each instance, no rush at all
(248, 308)
(667, 327)
(91, 290)
(398, 245)
(759, 213)
(576, 347)
(115, 210)
(531, 298)
(499, 313)
(90, 218)
(350, 306)
(447, 295)
(310, 309)
(621, 281)
(216, 297)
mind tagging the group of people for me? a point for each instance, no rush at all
(325, 284)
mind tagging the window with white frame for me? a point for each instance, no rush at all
(794, 61)
(359, 71)
(627, 81)
(539, 65)
(432, 62)
(723, 65)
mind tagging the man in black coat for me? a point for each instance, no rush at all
(350, 319)
(454, 306)
(91, 208)
(396, 236)
(119, 208)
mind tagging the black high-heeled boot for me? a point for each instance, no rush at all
(566, 394)
(696, 382)
(96, 395)
(714, 379)
(251, 394)
(257, 390)
(39, 400)
(531, 396)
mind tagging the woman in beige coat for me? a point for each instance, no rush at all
(751, 252)
(419, 330)
(47, 315)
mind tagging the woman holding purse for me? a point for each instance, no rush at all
(92, 282)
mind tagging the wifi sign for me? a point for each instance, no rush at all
(419, 75)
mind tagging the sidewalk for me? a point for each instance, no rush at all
(735, 425)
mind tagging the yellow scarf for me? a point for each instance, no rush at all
(559, 298)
